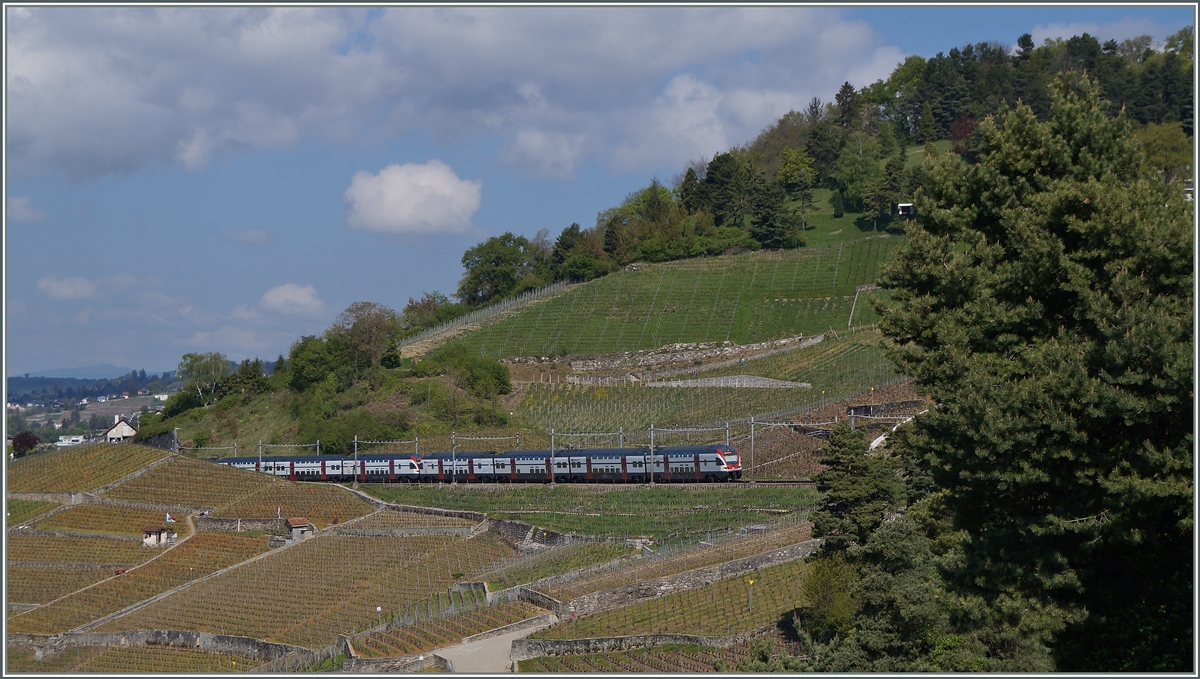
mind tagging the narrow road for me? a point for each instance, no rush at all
(488, 655)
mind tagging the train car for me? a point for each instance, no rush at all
(670, 464)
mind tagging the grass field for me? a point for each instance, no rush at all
(80, 468)
(119, 660)
(69, 550)
(736, 298)
(329, 585)
(194, 483)
(195, 558)
(20, 510)
(662, 511)
(321, 504)
(106, 520)
(433, 634)
(723, 608)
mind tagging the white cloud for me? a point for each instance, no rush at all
(249, 236)
(21, 209)
(412, 198)
(292, 300)
(62, 289)
(97, 90)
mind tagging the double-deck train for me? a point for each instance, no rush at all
(672, 464)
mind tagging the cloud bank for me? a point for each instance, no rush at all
(99, 90)
(21, 209)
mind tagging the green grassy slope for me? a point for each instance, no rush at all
(744, 298)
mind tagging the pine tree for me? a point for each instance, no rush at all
(859, 489)
(838, 204)
(1045, 302)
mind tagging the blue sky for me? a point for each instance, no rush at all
(229, 179)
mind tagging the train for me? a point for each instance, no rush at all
(668, 464)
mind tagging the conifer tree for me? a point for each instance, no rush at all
(1045, 302)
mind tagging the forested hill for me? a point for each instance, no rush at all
(843, 156)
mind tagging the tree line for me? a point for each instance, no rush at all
(1040, 515)
(760, 194)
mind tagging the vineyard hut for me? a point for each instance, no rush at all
(154, 536)
(299, 528)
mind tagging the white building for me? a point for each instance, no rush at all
(120, 431)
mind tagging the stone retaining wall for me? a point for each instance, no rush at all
(453, 531)
(403, 665)
(73, 534)
(74, 499)
(265, 651)
(524, 649)
(213, 524)
(543, 620)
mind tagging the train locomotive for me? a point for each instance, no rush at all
(669, 464)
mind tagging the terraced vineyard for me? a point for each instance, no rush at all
(743, 298)
(677, 511)
(322, 504)
(427, 636)
(83, 550)
(534, 567)
(684, 560)
(106, 519)
(195, 558)
(836, 368)
(79, 468)
(671, 658)
(310, 593)
(40, 584)
(194, 483)
(385, 519)
(723, 608)
(119, 660)
(20, 510)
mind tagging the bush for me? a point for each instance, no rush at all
(181, 402)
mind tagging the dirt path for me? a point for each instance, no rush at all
(488, 655)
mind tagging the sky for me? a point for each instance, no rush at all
(195, 179)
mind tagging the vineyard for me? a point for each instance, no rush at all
(321, 504)
(533, 567)
(106, 519)
(309, 594)
(194, 483)
(123, 660)
(20, 510)
(82, 550)
(724, 608)
(38, 585)
(836, 368)
(683, 559)
(426, 636)
(742, 298)
(662, 512)
(195, 558)
(385, 519)
(671, 658)
(80, 468)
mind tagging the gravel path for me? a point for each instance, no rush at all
(488, 655)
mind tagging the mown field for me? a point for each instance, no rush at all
(661, 511)
(741, 298)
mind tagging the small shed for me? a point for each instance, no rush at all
(299, 528)
(154, 536)
(905, 210)
(121, 431)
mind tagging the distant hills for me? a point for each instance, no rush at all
(87, 372)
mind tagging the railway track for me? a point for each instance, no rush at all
(743, 483)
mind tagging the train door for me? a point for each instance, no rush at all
(291, 470)
(441, 470)
(588, 461)
(697, 461)
(470, 469)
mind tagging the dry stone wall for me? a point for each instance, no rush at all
(524, 649)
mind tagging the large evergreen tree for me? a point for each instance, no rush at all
(1045, 302)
